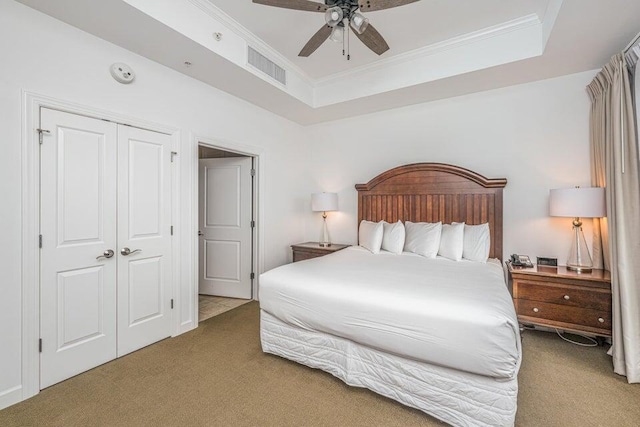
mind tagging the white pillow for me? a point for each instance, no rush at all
(422, 238)
(451, 241)
(370, 235)
(477, 242)
(393, 237)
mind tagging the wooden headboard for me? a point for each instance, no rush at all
(432, 192)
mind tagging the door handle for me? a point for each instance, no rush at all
(106, 254)
(127, 251)
(200, 233)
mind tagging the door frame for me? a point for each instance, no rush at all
(258, 156)
(30, 185)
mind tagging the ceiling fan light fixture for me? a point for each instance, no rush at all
(333, 16)
(359, 23)
(337, 34)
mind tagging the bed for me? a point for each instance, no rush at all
(437, 335)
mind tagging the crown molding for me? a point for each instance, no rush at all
(253, 40)
(432, 49)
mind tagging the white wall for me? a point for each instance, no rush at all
(42, 55)
(535, 135)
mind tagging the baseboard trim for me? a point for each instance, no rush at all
(11, 396)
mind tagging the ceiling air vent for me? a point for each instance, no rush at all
(267, 66)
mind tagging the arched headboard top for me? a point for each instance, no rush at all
(432, 192)
(443, 168)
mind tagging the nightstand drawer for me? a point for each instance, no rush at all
(594, 299)
(599, 319)
(301, 256)
(309, 250)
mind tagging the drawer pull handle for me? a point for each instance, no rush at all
(600, 319)
(566, 297)
(536, 309)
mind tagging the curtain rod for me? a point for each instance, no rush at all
(635, 41)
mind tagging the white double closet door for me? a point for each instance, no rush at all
(105, 284)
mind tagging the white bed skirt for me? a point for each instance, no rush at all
(456, 397)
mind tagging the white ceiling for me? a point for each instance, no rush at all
(404, 28)
(549, 38)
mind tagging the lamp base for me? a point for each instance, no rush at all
(325, 240)
(579, 269)
(579, 259)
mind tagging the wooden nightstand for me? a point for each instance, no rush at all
(559, 298)
(310, 250)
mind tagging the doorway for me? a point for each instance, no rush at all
(226, 228)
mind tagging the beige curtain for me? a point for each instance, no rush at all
(615, 165)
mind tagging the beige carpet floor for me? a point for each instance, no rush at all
(218, 376)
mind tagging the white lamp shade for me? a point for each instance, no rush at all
(324, 202)
(578, 202)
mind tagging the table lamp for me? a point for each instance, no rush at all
(578, 203)
(324, 202)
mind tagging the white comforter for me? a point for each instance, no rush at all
(454, 314)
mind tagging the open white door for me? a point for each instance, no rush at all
(144, 238)
(225, 227)
(78, 227)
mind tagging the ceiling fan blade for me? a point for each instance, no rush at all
(373, 40)
(307, 5)
(314, 42)
(373, 5)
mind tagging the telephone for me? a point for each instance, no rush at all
(521, 261)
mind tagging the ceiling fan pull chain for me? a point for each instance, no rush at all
(348, 43)
(343, 43)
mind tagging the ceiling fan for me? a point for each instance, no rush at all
(341, 15)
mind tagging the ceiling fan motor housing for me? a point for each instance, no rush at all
(348, 6)
(347, 3)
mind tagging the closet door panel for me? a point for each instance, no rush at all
(78, 224)
(144, 238)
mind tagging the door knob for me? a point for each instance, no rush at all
(200, 233)
(106, 254)
(127, 251)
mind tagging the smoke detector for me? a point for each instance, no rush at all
(122, 73)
